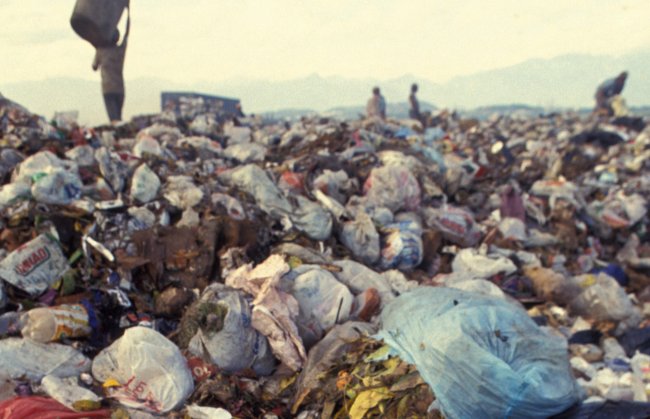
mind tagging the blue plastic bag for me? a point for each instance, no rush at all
(482, 356)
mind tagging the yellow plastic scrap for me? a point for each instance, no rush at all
(111, 382)
(86, 405)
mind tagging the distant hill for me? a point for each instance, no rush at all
(567, 81)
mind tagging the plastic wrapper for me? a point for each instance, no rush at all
(35, 265)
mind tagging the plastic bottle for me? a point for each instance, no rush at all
(48, 324)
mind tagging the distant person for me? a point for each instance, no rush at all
(414, 105)
(110, 62)
(608, 95)
(376, 105)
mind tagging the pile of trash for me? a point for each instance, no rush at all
(324, 268)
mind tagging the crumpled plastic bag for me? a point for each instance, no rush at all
(226, 334)
(358, 278)
(181, 192)
(472, 264)
(274, 311)
(245, 153)
(393, 187)
(312, 219)
(151, 370)
(362, 238)
(402, 248)
(253, 180)
(68, 392)
(455, 224)
(144, 184)
(482, 356)
(34, 360)
(58, 187)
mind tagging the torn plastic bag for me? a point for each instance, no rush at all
(312, 219)
(482, 356)
(275, 312)
(325, 354)
(513, 228)
(455, 224)
(323, 300)
(181, 192)
(152, 373)
(144, 184)
(225, 332)
(393, 187)
(35, 265)
(470, 263)
(333, 184)
(253, 180)
(361, 238)
(200, 412)
(34, 360)
(358, 278)
(68, 392)
(13, 192)
(402, 247)
(58, 187)
(146, 145)
(41, 162)
(603, 299)
(619, 211)
(245, 153)
(113, 169)
(82, 155)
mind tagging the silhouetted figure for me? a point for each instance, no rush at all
(376, 105)
(414, 105)
(607, 94)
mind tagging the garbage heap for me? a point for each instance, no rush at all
(324, 268)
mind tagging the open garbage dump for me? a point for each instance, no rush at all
(324, 268)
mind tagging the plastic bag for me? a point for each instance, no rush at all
(312, 219)
(358, 278)
(146, 145)
(35, 265)
(253, 180)
(56, 187)
(455, 224)
(144, 184)
(69, 393)
(470, 263)
(200, 412)
(112, 168)
(393, 187)
(34, 360)
(402, 247)
(603, 299)
(151, 370)
(323, 300)
(361, 237)
(245, 153)
(181, 192)
(226, 333)
(482, 356)
(274, 311)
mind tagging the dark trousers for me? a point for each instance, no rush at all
(114, 103)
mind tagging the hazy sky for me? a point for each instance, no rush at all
(282, 39)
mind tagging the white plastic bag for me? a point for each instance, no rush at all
(393, 187)
(312, 219)
(236, 345)
(144, 184)
(56, 187)
(483, 356)
(361, 238)
(67, 391)
(181, 192)
(34, 360)
(153, 373)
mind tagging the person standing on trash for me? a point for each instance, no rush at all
(607, 93)
(110, 62)
(414, 105)
(376, 106)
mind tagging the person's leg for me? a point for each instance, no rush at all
(111, 101)
(120, 104)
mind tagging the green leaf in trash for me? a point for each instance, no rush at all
(67, 283)
(379, 355)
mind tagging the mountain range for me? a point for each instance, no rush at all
(567, 81)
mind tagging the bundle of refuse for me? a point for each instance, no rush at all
(324, 268)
